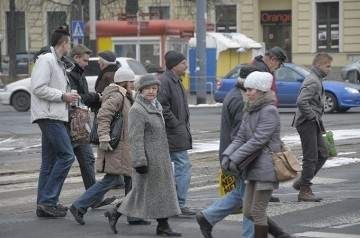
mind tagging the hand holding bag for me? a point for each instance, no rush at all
(116, 126)
(286, 164)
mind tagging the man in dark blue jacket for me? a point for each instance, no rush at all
(176, 114)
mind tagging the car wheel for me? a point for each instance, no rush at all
(330, 102)
(21, 101)
(343, 109)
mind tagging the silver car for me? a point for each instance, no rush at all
(351, 72)
(17, 94)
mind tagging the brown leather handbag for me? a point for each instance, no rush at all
(286, 164)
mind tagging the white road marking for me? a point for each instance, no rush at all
(316, 234)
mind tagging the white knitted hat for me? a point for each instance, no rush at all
(123, 75)
(259, 80)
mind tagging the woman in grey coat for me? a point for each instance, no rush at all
(259, 133)
(153, 194)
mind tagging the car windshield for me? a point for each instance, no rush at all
(301, 69)
(234, 73)
(136, 67)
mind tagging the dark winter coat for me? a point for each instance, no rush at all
(78, 82)
(105, 78)
(118, 161)
(259, 63)
(153, 195)
(231, 116)
(260, 128)
(310, 101)
(176, 112)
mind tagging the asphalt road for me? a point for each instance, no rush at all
(337, 216)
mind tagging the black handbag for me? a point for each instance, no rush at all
(115, 129)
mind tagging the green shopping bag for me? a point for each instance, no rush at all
(330, 144)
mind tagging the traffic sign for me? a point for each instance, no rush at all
(77, 29)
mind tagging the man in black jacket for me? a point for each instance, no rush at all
(271, 61)
(80, 55)
(176, 114)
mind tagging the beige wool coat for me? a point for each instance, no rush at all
(153, 195)
(118, 161)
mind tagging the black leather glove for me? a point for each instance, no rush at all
(142, 169)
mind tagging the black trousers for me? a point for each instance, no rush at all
(314, 150)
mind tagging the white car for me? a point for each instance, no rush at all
(17, 94)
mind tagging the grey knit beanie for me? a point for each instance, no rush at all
(145, 81)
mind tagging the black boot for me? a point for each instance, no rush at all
(276, 231)
(113, 216)
(261, 231)
(163, 228)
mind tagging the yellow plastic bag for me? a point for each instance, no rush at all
(226, 183)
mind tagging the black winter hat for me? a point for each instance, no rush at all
(145, 81)
(108, 56)
(173, 58)
(278, 53)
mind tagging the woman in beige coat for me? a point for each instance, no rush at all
(111, 161)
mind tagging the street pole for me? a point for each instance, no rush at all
(12, 41)
(201, 51)
(92, 17)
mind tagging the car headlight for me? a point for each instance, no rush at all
(351, 90)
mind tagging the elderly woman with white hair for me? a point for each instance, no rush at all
(153, 195)
(259, 135)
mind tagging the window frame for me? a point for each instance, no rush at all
(159, 7)
(137, 42)
(314, 48)
(227, 26)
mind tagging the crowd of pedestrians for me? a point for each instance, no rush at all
(151, 158)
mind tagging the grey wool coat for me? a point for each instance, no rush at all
(260, 127)
(153, 195)
(118, 161)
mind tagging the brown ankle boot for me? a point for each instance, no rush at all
(306, 195)
(261, 231)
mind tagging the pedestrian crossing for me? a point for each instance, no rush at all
(316, 234)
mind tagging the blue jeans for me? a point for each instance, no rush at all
(56, 160)
(86, 159)
(95, 193)
(227, 205)
(182, 174)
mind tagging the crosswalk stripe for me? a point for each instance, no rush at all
(315, 234)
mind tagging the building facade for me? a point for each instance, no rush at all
(301, 27)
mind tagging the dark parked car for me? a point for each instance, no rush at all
(340, 96)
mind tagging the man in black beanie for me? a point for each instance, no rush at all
(176, 114)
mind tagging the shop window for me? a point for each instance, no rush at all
(225, 18)
(327, 26)
(143, 51)
(126, 50)
(20, 30)
(54, 20)
(161, 12)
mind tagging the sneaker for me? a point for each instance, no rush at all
(49, 211)
(62, 207)
(105, 202)
(205, 226)
(79, 217)
(186, 211)
(274, 199)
